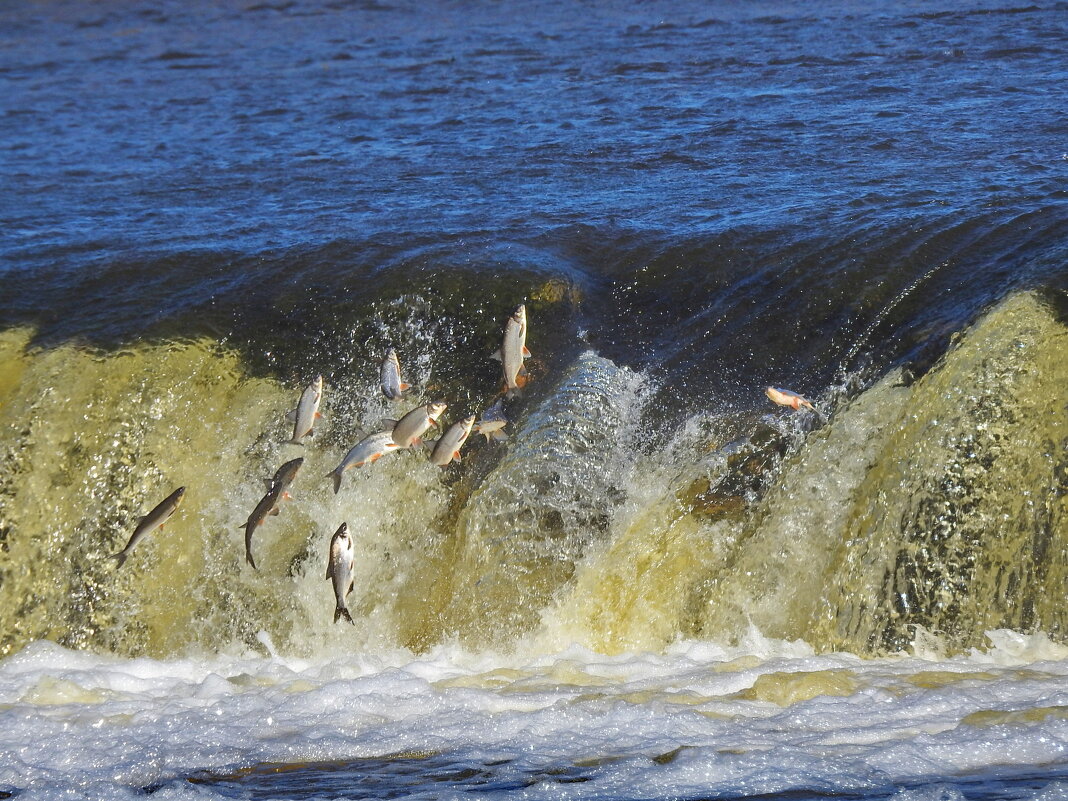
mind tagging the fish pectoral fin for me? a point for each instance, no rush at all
(456, 455)
(374, 457)
(526, 353)
(497, 355)
(521, 379)
(318, 415)
(274, 512)
(405, 387)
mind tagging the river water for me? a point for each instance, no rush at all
(661, 585)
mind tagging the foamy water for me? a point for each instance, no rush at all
(695, 721)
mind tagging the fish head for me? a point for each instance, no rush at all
(288, 471)
(178, 495)
(342, 533)
(467, 424)
(435, 409)
(391, 357)
(494, 413)
(520, 315)
(317, 384)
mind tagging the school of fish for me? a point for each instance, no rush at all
(406, 432)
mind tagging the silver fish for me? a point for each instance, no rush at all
(512, 352)
(492, 422)
(784, 397)
(369, 449)
(339, 569)
(410, 428)
(448, 447)
(153, 520)
(268, 504)
(307, 411)
(392, 386)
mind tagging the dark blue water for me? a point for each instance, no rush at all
(440, 776)
(734, 191)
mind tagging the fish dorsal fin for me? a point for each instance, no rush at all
(456, 455)
(268, 483)
(526, 353)
(388, 423)
(352, 586)
(274, 511)
(291, 416)
(329, 569)
(497, 355)
(405, 387)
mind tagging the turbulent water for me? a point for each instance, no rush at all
(660, 585)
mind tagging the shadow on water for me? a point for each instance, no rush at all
(403, 775)
(716, 314)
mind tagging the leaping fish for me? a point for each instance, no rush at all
(307, 411)
(339, 568)
(392, 386)
(784, 397)
(448, 447)
(492, 422)
(153, 520)
(410, 428)
(369, 449)
(268, 504)
(512, 352)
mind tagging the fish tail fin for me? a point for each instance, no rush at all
(120, 558)
(249, 559)
(342, 612)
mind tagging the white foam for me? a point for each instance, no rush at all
(79, 725)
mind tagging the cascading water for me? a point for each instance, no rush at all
(933, 504)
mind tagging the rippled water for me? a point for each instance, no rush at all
(660, 586)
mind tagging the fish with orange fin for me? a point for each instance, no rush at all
(784, 397)
(513, 351)
(492, 422)
(369, 449)
(277, 490)
(339, 570)
(408, 431)
(448, 447)
(307, 411)
(150, 522)
(392, 386)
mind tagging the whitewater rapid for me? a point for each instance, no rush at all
(698, 720)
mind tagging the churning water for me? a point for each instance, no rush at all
(660, 585)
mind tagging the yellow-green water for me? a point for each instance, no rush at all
(936, 506)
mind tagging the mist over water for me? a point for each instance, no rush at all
(660, 585)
